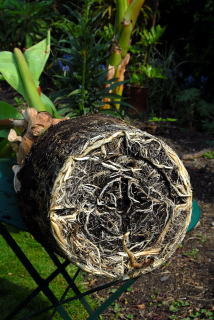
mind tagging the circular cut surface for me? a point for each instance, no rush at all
(120, 206)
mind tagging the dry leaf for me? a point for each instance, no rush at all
(141, 306)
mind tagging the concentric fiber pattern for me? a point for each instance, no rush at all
(120, 200)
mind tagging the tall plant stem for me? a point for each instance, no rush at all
(31, 91)
(82, 103)
(126, 18)
(122, 6)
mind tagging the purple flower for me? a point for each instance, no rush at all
(180, 74)
(66, 57)
(102, 67)
(60, 63)
(190, 79)
(203, 79)
(65, 68)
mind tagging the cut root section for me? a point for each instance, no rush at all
(122, 205)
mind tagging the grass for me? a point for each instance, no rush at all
(192, 253)
(16, 283)
(209, 155)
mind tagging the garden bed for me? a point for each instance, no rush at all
(183, 287)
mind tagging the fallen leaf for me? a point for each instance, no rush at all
(141, 306)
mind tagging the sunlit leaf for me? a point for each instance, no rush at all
(49, 105)
(37, 57)
(77, 91)
(9, 70)
(8, 112)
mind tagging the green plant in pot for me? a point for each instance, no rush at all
(143, 67)
(94, 81)
(127, 13)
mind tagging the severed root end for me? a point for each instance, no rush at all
(36, 124)
(122, 205)
(116, 201)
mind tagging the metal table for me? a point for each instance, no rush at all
(10, 215)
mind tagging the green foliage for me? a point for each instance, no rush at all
(178, 96)
(189, 36)
(107, 33)
(162, 90)
(158, 119)
(36, 58)
(192, 253)
(189, 96)
(199, 314)
(81, 67)
(143, 65)
(151, 72)
(8, 112)
(22, 72)
(16, 283)
(209, 155)
(116, 308)
(23, 22)
(194, 108)
(144, 73)
(177, 304)
(5, 149)
(152, 36)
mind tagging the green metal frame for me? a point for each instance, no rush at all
(43, 285)
(10, 214)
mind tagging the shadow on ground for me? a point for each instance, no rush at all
(11, 295)
(202, 180)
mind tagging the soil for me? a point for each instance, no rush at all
(183, 288)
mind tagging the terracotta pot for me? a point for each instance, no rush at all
(138, 98)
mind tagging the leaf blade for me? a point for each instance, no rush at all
(8, 112)
(10, 72)
(37, 57)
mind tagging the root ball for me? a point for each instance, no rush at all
(113, 199)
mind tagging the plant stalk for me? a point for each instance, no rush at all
(82, 104)
(31, 91)
(10, 123)
(127, 14)
(122, 6)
